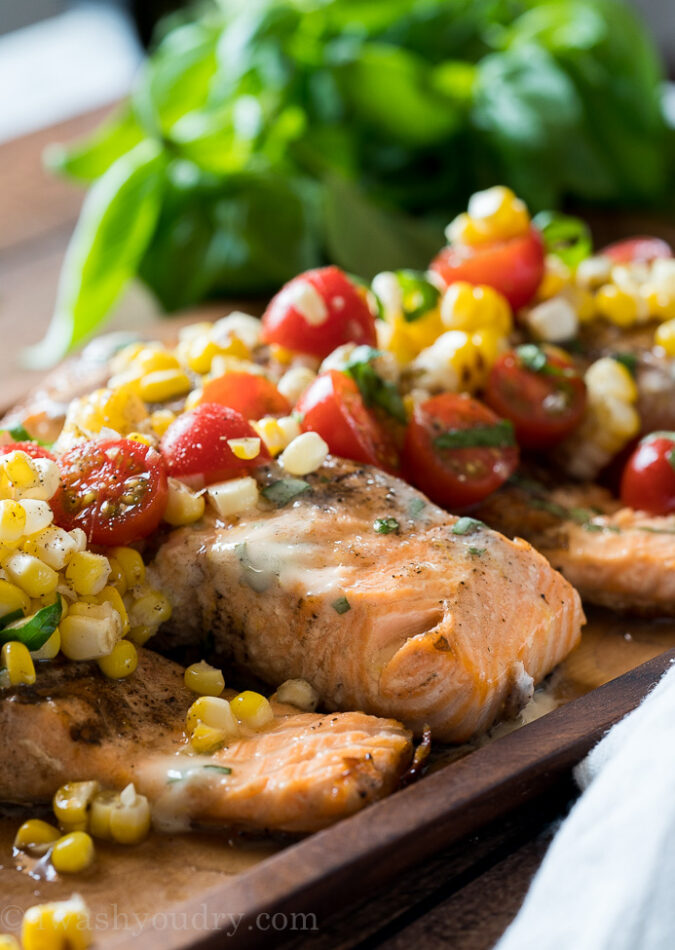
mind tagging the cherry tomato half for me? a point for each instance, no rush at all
(115, 490)
(333, 407)
(457, 451)
(641, 248)
(195, 445)
(33, 449)
(514, 267)
(318, 311)
(648, 482)
(540, 391)
(252, 395)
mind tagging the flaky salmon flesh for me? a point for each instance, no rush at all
(439, 622)
(301, 773)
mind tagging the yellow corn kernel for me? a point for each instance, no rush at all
(50, 649)
(100, 811)
(193, 399)
(8, 942)
(35, 836)
(31, 574)
(457, 361)
(18, 662)
(52, 545)
(606, 377)
(150, 609)
(205, 739)
(124, 357)
(130, 817)
(73, 853)
(131, 563)
(110, 595)
(281, 354)
(557, 276)
(495, 214)
(200, 352)
(467, 307)
(252, 709)
(582, 301)
(192, 331)
(160, 420)
(87, 573)
(665, 337)
(117, 577)
(616, 305)
(20, 470)
(245, 449)
(141, 633)
(90, 631)
(164, 385)
(39, 515)
(12, 599)
(71, 804)
(269, 431)
(139, 437)
(122, 662)
(59, 926)
(120, 409)
(12, 521)
(204, 679)
(659, 303)
(214, 712)
(183, 506)
(154, 360)
(298, 693)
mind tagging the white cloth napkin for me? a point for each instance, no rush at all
(608, 879)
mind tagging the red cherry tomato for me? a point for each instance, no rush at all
(648, 482)
(195, 445)
(514, 267)
(637, 249)
(540, 391)
(318, 311)
(115, 490)
(457, 451)
(251, 395)
(30, 448)
(333, 407)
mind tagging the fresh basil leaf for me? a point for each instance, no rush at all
(476, 552)
(341, 605)
(34, 631)
(10, 618)
(284, 491)
(532, 357)
(221, 769)
(467, 525)
(115, 226)
(375, 390)
(386, 525)
(566, 237)
(90, 158)
(499, 435)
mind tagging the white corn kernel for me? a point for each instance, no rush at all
(54, 546)
(294, 382)
(39, 515)
(593, 272)
(31, 574)
(305, 454)
(234, 496)
(553, 321)
(183, 505)
(298, 693)
(90, 631)
(12, 521)
(238, 324)
(607, 377)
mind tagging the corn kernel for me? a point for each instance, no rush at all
(130, 817)
(305, 454)
(100, 811)
(240, 325)
(495, 214)
(665, 337)
(71, 804)
(607, 377)
(234, 496)
(7, 942)
(269, 431)
(131, 564)
(214, 712)
(12, 521)
(616, 305)
(252, 709)
(31, 574)
(39, 515)
(73, 853)
(124, 357)
(122, 662)
(90, 631)
(183, 506)
(154, 359)
(160, 420)
(469, 308)
(201, 352)
(245, 449)
(298, 693)
(141, 633)
(19, 469)
(87, 573)
(204, 679)
(593, 272)
(164, 385)
(205, 739)
(660, 305)
(35, 836)
(12, 599)
(18, 662)
(289, 427)
(50, 649)
(117, 577)
(553, 320)
(120, 409)
(294, 382)
(139, 437)
(193, 331)
(150, 609)
(48, 481)
(193, 399)
(59, 926)
(557, 276)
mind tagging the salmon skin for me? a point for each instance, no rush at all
(302, 773)
(614, 556)
(380, 599)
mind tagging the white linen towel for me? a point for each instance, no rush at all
(608, 879)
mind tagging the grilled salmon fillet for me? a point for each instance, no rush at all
(615, 557)
(440, 621)
(304, 772)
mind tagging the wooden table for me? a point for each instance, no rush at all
(466, 896)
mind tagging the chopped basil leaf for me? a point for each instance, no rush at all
(499, 435)
(552, 507)
(532, 357)
(629, 360)
(285, 490)
(415, 506)
(10, 618)
(34, 631)
(567, 237)
(467, 526)
(341, 605)
(178, 775)
(386, 525)
(222, 769)
(375, 390)
(477, 551)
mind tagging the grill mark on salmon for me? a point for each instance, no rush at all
(305, 771)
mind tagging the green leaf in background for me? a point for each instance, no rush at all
(113, 232)
(89, 158)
